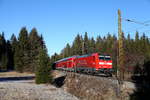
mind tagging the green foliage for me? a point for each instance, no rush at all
(13, 43)
(21, 53)
(86, 43)
(27, 54)
(77, 46)
(35, 43)
(99, 43)
(10, 62)
(92, 46)
(3, 53)
(54, 58)
(4, 62)
(42, 70)
(26, 50)
(18, 59)
(66, 51)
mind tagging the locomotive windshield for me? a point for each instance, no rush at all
(101, 57)
(107, 58)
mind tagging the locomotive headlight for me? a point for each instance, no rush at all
(109, 63)
(101, 63)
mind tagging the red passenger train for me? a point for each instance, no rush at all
(90, 63)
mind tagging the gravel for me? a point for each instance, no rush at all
(30, 91)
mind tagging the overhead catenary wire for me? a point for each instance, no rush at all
(144, 24)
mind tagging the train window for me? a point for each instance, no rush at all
(101, 57)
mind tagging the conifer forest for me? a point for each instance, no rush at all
(28, 53)
(22, 53)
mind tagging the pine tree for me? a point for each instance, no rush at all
(77, 45)
(21, 52)
(54, 58)
(136, 44)
(1, 50)
(104, 45)
(66, 52)
(99, 44)
(128, 43)
(143, 44)
(24, 48)
(18, 61)
(86, 43)
(35, 43)
(136, 36)
(13, 42)
(42, 71)
(108, 44)
(92, 45)
(10, 63)
(3, 53)
(1, 45)
(4, 61)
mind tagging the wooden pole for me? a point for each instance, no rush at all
(121, 59)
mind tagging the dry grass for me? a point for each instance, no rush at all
(15, 74)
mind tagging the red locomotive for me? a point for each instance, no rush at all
(90, 63)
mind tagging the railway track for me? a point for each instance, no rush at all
(59, 73)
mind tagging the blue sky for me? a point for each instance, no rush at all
(59, 21)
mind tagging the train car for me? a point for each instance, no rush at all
(105, 64)
(66, 63)
(94, 63)
(87, 62)
(90, 63)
